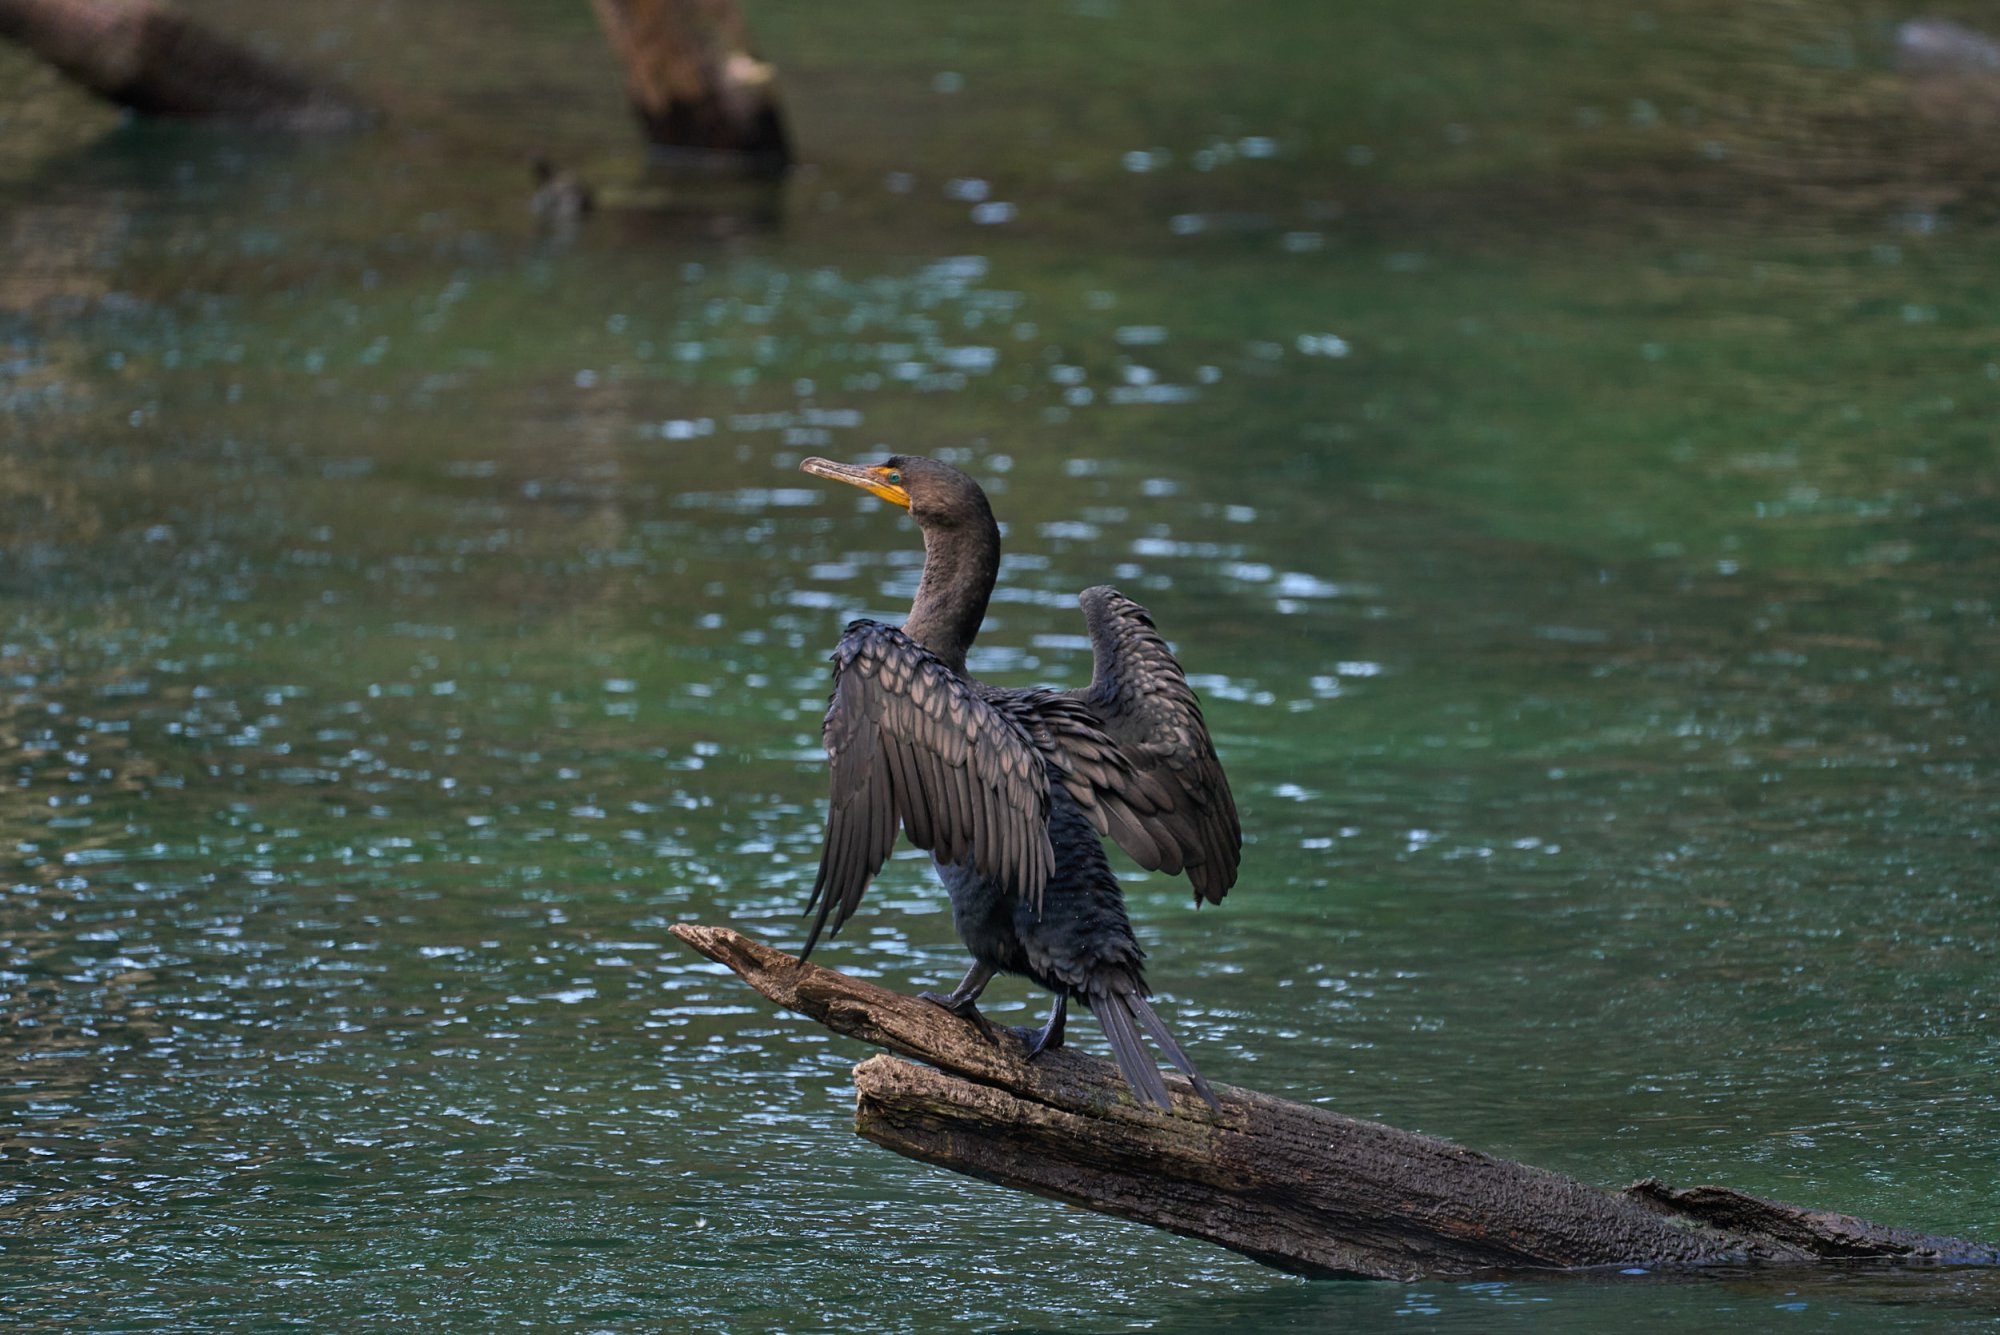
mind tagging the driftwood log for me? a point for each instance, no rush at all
(156, 60)
(702, 97)
(1290, 1184)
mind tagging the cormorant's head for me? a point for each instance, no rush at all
(935, 494)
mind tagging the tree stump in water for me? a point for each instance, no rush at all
(150, 57)
(702, 98)
(1289, 1184)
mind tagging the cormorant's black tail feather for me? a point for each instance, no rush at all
(1158, 1029)
(1115, 1013)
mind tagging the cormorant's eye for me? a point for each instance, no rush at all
(895, 478)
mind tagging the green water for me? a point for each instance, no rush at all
(1583, 534)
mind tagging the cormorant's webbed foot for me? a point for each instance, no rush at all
(962, 999)
(1049, 1035)
(964, 1009)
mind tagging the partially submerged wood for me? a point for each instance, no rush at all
(1290, 1184)
(156, 60)
(702, 96)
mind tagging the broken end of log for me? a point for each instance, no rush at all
(1821, 1235)
(726, 945)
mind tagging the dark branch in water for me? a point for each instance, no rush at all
(1289, 1184)
(703, 99)
(150, 57)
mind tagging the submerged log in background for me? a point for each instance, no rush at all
(701, 96)
(1290, 1184)
(147, 55)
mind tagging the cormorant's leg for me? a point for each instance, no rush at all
(960, 1002)
(1049, 1035)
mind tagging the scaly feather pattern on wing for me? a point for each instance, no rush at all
(913, 743)
(1161, 793)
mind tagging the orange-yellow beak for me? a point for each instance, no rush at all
(881, 479)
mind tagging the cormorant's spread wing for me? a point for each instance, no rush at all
(1167, 803)
(912, 743)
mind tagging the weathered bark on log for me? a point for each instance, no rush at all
(702, 98)
(147, 55)
(1292, 1185)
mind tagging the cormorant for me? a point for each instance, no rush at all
(1010, 790)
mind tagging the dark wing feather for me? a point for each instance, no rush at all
(1141, 753)
(914, 744)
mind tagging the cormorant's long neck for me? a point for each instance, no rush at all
(960, 564)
